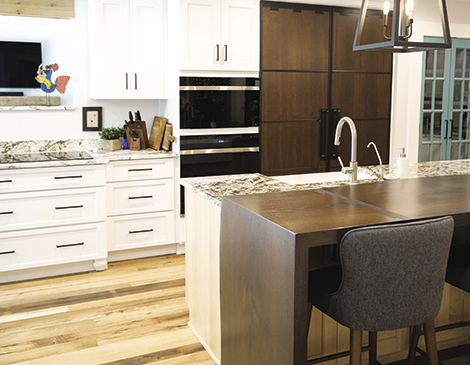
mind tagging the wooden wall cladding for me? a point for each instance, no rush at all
(293, 95)
(290, 146)
(64, 9)
(292, 40)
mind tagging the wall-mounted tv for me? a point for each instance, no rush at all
(19, 63)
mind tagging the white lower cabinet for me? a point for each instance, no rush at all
(52, 221)
(140, 208)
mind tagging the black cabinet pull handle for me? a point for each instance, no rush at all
(70, 245)
(217, 59)
(7, 252)
(127, 81)
(6, 181)
(10, 212)
(141, 231)
(141, 197)
(69, 207)
(225, 52)
(146, 169)
(68, 177)
(135, 79)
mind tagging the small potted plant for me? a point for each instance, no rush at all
(111, 138)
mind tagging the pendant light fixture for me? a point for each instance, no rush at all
(401, 29)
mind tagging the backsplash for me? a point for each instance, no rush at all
(89, 144)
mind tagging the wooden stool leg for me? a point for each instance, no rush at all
(413, 343)
(373, 346)
(356, 347)
(431, 346)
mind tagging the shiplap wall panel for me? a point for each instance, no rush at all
(38, 8)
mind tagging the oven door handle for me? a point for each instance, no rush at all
(219, 150)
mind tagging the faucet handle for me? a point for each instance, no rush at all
(345, 170)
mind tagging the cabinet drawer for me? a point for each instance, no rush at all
(41, 247)
(23, 180)
(51, 208)
(142, 230)
(139, 197)
(140, 170)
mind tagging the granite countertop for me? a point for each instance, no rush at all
(214, 188)
(91, 146)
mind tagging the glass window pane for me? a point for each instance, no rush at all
(459, 62)
(438, 94)
(455, 125)
(426, 136)
(436, 152)
(454, 151)
(457, 94)
(466, 95)
(464, 150)
(429, 64)
(437, 127)
(440, 63)
(467, 64)
(428, 94)
(465, 126)
(425, 152)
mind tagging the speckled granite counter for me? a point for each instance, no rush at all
(91, 146)
(214, 188)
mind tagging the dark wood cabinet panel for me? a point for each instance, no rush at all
(362, 95)
(292, 40)
(344, 58)
(289, 147)
(287, 96)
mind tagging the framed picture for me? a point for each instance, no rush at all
(92, 118)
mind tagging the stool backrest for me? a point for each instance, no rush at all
(393, 275)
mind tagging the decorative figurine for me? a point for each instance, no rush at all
(44, 77)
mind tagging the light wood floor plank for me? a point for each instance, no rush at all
(132, 313)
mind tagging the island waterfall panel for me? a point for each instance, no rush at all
(308, 66)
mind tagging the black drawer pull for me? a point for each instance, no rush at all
(141, 231)
(70, 245)
(70, 207)
(7, 252)
(68, 177)
(141, 197)
(5, 181)
(146, 169)
(11, 212)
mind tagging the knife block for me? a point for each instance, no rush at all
(143, 136)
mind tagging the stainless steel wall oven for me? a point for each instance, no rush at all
(219, 132)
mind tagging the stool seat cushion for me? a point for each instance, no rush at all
(458, 267)
(392, 276)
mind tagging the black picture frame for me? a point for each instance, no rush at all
(89, 123)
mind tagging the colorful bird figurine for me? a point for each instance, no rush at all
(44, 77)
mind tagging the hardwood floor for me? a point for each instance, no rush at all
(130, 314)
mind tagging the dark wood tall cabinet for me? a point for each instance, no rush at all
(309, 72)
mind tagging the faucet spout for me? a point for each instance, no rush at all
(353, 164)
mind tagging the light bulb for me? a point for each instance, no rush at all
(409, 8)
(386, 7)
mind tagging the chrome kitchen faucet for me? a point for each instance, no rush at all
(352, 169)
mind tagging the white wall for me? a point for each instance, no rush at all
(406, 94)
(65, 42)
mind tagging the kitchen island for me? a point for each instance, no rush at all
(269, 236)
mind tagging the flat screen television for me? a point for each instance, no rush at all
(19, 63)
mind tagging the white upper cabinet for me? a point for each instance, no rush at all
(220, 35)
(127, 49)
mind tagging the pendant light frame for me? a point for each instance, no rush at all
(397, 43)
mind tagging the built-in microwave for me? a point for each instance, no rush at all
(219, 102)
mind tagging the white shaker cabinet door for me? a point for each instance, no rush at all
(240, 35)
(200, 35)
(147, 49)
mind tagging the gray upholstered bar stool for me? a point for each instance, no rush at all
(390, 277)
